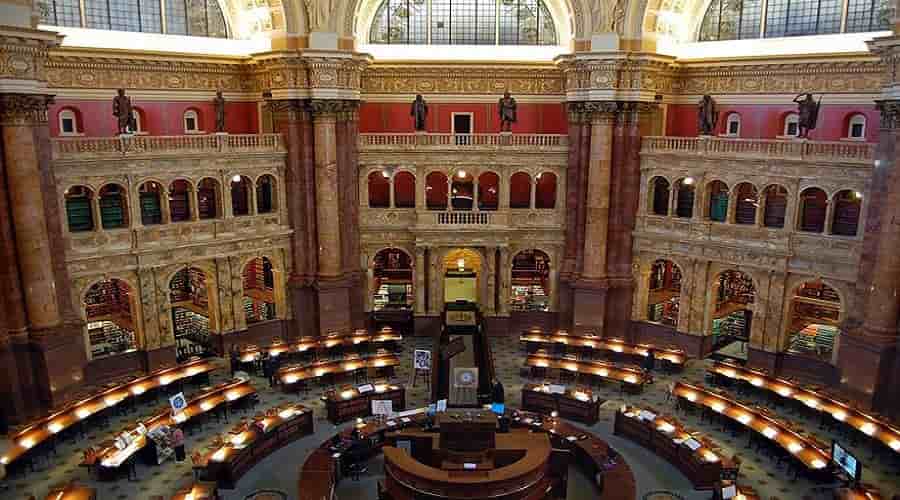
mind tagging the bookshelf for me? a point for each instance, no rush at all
(776, 207)
(179, 205)
(718, 207)
(814, 339)
(112, 208)
(745, 212)
(151, 212)
(684, 205)
(109, 322)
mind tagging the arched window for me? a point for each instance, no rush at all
(68, 122)
(110, 319)
(150, 196)
(191, 122)
(183, 17)
(79, 212)
(659, 196)
(530, 287)
(791, 125)
(775, 206)
(379, 189)
(463, 22)
(259, 290)
(733, 125)
(139, 122)
(733, 293)
(717, 193)
(743, 19)
(208, 199)
(265, 194)
(113, 207)
(813, 206)
(462, 191)
(545, 196)
(664, 293)
(240, 195)
(684, 197)
(436, 191)
(520, 190)
(815, 320)
(847, 205)
(180, 201)
(404, 190)
(488, 191)
(745, 204)
(856, 127)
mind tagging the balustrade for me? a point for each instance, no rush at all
(838, 152)
(485, 141)
(149, 145)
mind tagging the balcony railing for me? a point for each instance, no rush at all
(464, 218)
(836, 152)
(149, 145)
(478, 141)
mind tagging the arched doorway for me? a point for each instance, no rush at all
(190, 311)
(392, 285)
(462, 275)
(110, 317)
(733, 296)
(259, 290)
(530, 287)
(815, 316)
(664, 294)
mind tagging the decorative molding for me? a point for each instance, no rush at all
(450, 78)
(890, 114)
(24, 53)
(24, 109)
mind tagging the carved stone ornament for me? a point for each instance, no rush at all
(329, 107)
(890, 114)
(24, 109)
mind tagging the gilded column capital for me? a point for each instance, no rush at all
(24, 109)
(602, 111)
(323, 109)
(296, 109)
(890, 114)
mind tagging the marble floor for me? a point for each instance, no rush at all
(280, 470)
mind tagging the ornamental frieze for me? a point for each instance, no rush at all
(414, 79)
(24, 53)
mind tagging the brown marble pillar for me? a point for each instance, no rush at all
(54, 333)
(333, 287)
(294, 122)
(591, 289)
(867, 353)
(348, 178)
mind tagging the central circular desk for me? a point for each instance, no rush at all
(528, 462)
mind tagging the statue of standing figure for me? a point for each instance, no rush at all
(808, 109)
(419, 112)
(219, 103)
(507, 110)
(124, 113)
(707, 116)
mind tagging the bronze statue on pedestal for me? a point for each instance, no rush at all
(124, 113)
(219, 103)
(419, 112)
(507, 110)
(808, 109)
(707, 116)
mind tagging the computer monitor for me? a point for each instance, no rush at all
(845, 461)
(729, 491)
(498, 408)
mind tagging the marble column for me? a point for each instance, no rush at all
(54, 330)
(504, 274)
(491, 273)
(334, 296)
(573, 190)
(591, 290)
(420, 306)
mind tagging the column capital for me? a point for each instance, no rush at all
(24, 109)
(296, 109)
(331, 108)
(890, 114)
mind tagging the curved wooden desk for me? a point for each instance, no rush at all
(630, 376)
(47, 427)
(72, 492)
(407, 478)
(292, 374)
(865, 422)
(536, 336)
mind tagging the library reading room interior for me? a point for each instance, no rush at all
(449, 249)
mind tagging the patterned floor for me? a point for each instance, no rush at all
(280, 471)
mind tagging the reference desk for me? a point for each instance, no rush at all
(200, 490)
(631, 377)
(350, 403)
(250, 442)
(108, 459)
(45, 428)
(576, 404)
(611, 472)
(665, 436)
(865, 422)
(637, 352)
(292, 374)
(807, 451)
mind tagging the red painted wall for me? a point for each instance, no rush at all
(766, 121)
(158, 118)
(377, 117)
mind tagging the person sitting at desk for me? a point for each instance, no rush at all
(497, 393)
(357, 453)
